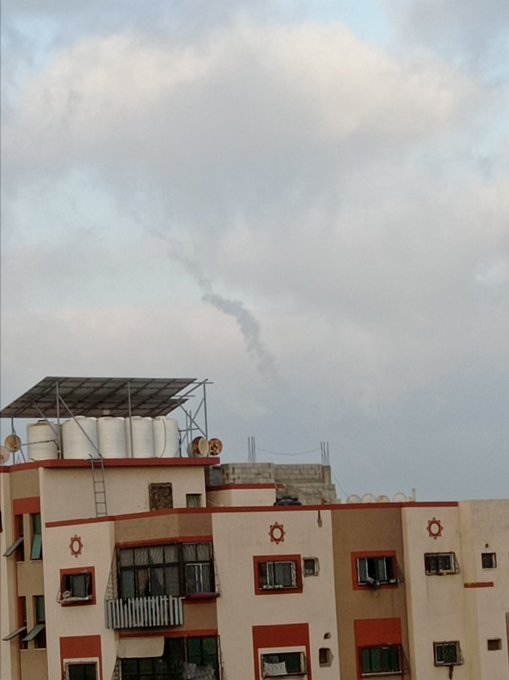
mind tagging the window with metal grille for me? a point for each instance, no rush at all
(77, 586)
(311, 566)
(447, 653)
(440, 563)
(172, 569)
(193, 500)
(381, 659)
(278, 664)
(283, 574)
(494, 644)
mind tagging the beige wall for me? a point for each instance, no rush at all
(98, 539)
(68, 492)
(365, 529)
(240, 536)
(241, 497)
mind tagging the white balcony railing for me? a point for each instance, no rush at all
(145, 612)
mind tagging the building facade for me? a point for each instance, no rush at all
(173, 568)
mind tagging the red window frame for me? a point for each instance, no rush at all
(77, 571)
(374, 553)
(260, 559)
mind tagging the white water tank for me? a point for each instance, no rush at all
(79, 435)
(166, 437)
(112, 437)
(42, 439)
(142, 432)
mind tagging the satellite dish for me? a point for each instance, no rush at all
(353, 498)
(198, 447)
(12, 443)
(216, 446)
(399, 497)
(383, 499)
(4, 455)
(368, 498)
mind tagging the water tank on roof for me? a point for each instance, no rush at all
(112, 437)
(79, 435)
(142, 443)
(166, 437)
(42, 439)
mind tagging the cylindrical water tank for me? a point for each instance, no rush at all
(42, 438)
(79, 436)
(112, 437)
(166, 437)
(142, 443)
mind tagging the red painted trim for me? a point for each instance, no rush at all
(233, 487)
(285, 635)
(257, 559)
(81, 647)
(26, 506)
(127, 516)
(371, 553)
(479, 584)
(205, 538)
(206, 632)
(78, 570)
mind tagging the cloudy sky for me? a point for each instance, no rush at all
(305, 201)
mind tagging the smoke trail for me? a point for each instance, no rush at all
(246, 321)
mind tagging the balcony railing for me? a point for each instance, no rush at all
(145, 612)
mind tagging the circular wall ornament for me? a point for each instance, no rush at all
(435, 528)
(76, 545)
(277, 533)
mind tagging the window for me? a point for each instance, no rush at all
(376, 571)
(38, 633)
(36, 553)
(447, 653)
(172, 569)
(283, 663)
(160, 496)
(22, 624)
(182, 658)
(193, 500)
(489, 560)
(325, 656)
(199, 573)
(377, 660)
(81, 671)
(17, 547)
(278, 575)
(440, 563)
(77, 586)
(494, 644)
(311, 566)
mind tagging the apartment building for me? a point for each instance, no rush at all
(128, 552)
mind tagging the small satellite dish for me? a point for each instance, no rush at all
(399, 497)
(353, 498)
(216, 446)
(198, 447)
(12, 443)
(4, 455)
(368, 498)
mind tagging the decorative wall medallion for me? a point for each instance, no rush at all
(435, 528)
(76, 545)
(277, 533)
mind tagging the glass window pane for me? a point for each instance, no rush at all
(171, 553)
(156, 555)
(189, 552)
(127, 588)
(126, 557)
(36, 547)
(141, 556)
(156, 581)
(204, 552)
(171, 580)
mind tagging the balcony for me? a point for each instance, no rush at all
(145, 612)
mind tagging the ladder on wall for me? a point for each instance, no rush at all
(97, 467)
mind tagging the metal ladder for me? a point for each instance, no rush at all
(97, 467)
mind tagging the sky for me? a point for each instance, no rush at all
(304, 201)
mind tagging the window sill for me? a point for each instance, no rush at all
(73, 601)
(200, 597)
(384, 673)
